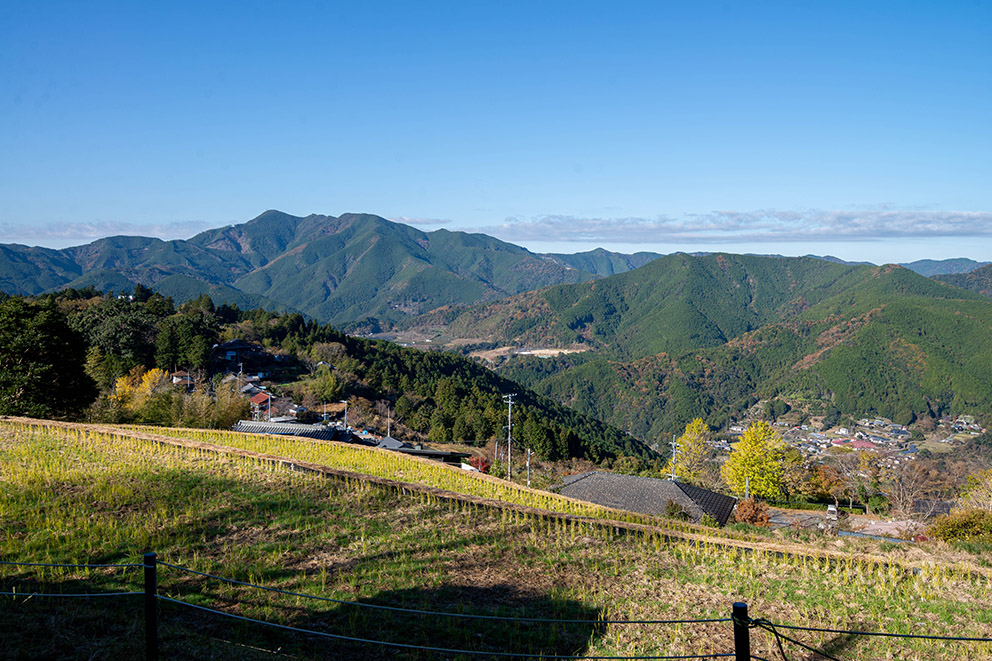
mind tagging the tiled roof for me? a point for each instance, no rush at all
(647, 494)
(319, 432)
(390, 443)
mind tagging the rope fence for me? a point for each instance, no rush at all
(414, 611)
(741, 622)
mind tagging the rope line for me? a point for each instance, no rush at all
(769, 626)
(47, 564)
(59, 594)
(889, 635)
(429, 649)
(438, 613)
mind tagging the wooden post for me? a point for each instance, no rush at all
(151, 607)
(742, 634)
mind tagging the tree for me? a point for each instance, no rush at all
(42, 359)
(693, 451)
(756, 461)
(123, 330)
(977, 491)
(916, 489)
(324, 386)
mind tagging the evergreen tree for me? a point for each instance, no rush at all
(41, 362)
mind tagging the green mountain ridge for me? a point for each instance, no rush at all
(977, 280)
(337, 270)
(685, 336)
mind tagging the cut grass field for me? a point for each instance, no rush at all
(78, 495)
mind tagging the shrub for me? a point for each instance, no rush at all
(752, 511)
(480, 463)
(675, 511)
(708, 520)
(963, 526)
(878, 504)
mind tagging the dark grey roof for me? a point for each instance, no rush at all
(390, 443)
(438, 455)
(647, 494)
(320, 432)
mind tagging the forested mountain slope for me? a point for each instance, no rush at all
(118, 341)
(685, 336)
(336, 270)
(978, 280)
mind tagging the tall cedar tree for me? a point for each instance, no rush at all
(41, 364)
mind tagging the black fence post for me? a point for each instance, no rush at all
(742, 634)
(151, 607)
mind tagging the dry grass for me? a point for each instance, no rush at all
(107, 499)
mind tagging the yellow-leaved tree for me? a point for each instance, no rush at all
(977, 491)
(756, 461)
(693, 450)
(133, 390)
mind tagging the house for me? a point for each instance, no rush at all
(319, 432)
(261, 400)
(647, 495)
(390, 443)
(237, 350)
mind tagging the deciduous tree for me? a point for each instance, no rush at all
(756, 461)
(693, 451)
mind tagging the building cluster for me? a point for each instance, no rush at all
(892, 442)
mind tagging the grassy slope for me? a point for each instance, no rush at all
(107, 500)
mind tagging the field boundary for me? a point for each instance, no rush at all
(740, 620)
(825, 557)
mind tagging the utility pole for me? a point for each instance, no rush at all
(345, 402)
(508, 399)
(528, 467)
(673, 476)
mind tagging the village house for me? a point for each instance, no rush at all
(647, 495)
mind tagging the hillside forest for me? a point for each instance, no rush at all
(80, 354)
(683, 337)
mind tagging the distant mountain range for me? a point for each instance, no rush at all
(684, 336)
(337, 270)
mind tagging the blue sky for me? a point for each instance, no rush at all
(862, 130)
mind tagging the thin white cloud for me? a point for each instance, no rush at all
(421, 222)
(761, 225)
(89, 231)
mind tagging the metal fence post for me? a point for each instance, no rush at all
(151, 607)
(742, 634)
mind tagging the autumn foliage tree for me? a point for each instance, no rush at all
(689, 461)
(756, 462)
